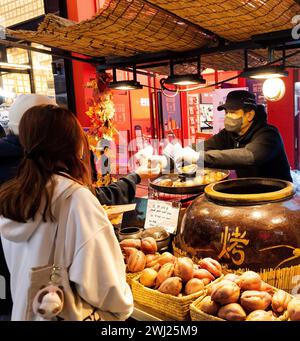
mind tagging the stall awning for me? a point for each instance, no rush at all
(131, 28)
(122, 28)
(235, 20)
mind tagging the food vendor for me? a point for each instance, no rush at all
(247, 144)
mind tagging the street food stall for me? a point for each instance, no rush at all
(233, 253)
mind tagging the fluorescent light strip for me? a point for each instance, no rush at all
(15, 66)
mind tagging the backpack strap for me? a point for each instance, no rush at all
(57, 251)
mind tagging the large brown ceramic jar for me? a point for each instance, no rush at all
(246, 223)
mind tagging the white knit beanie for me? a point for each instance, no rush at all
(21, 105)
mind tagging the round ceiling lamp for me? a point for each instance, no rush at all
(274, 89)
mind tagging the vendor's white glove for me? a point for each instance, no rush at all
(148, 173)
(157, 160)
(186, 156)
(143, 155)
(171, 149)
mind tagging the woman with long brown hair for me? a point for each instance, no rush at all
(55, 157)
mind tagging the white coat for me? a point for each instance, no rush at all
(92, 254)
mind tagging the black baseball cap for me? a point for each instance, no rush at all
(238, 99)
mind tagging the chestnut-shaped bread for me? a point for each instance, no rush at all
(136, 262)
(255, 300)
(267, 287)
(213, 286)
(225, 292)
(280, 301)
(164, 272)
(249, 280)
(166, 257)
(208, 306)
(148, 245)
(127, 252)
(193, 285)
(232, 312)
(171, 286)
(211, 265)
(293, 309)
(152, 260)
(203, 274)
(184, 268)
(148, 277)
(232, 277)
(261, 315)
(131, 242)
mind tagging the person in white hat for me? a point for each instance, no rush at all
(21, 105)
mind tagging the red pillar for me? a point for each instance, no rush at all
(79, 10)
(281, 115)
(184, 116)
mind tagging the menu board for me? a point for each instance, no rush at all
(162, 214)
(206, 116)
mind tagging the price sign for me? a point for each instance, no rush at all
(163, 214)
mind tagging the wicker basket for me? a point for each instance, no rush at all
(173, 307)
(130, 276)
(283, 278)
(199, 315)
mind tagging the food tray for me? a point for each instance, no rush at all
(187, 189)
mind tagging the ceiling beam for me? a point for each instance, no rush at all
(277, 36)
(11, 70)
(10, 43)
(277, 40)
(179, 56)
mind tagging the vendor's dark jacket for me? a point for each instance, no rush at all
(258, 153)
(11, 154)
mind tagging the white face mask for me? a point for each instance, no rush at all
(233, 125)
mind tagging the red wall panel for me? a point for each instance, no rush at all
(82, 72)
(281, 115)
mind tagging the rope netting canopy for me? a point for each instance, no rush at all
(235, 20)
(122, 28)
(130, 28)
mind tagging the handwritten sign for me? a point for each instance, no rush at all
(163, 214)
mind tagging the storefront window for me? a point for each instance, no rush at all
(41, 68)
(15, 84)
(15, 11)
(42, 72)
(17, 56)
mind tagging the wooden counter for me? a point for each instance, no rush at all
(142, 313)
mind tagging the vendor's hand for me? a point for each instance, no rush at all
(157, 161)
(186, 156)
(143, 155)
(171, 149)
(148, 173)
